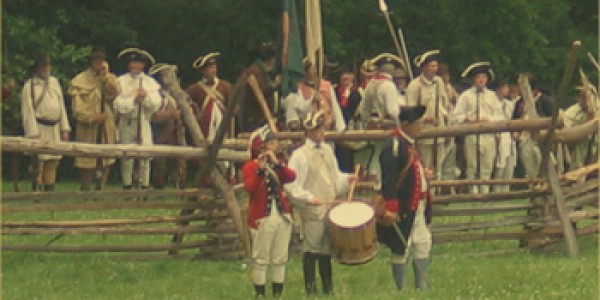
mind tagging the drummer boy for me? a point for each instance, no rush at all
(318, 182)
(406, 209)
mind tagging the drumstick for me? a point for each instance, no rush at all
(353, 184)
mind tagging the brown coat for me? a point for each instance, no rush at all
(86, 91)
(166, 123)
(251, 113)
(202, 103)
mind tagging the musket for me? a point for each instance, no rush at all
(436, 115)
(384, 9)
(593, 60)
(101, 126)
(35, 163)
(398, 38)
(139, 141)
(478, 137)
(139, 119)
(405, 52)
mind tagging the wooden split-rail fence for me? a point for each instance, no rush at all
(138, 222)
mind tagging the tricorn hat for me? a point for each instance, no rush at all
(482, 67)
(388, 63)
(156, 68)
(136, 54)
(206, 60)
(424, 58)
(314, 120)
(367, 68)
(259, 137)
(409, 114)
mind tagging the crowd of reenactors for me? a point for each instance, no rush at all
(134, 109)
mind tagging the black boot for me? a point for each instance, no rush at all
(49, 187)
(420, 268)
(398, 273)
(277, 289)
(325, 272)
(308, 264)
(260, 291)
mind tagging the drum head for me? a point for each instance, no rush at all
(351, 214)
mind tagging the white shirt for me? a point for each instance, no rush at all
(381, 97)
(296, 108)
(468, 101)
(51, 107)
(507, 146)
(422, 91)
(127, 109)
(125, 103)
(301, 164)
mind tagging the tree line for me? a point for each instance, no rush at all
(514, 35)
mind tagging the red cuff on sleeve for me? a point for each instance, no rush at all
(392, 205)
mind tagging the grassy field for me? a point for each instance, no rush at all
(473, 270)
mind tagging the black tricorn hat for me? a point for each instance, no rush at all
(482, 67)
(136, 54)
(409, 114)
(206, 60)
(426, 57)
(387, 58)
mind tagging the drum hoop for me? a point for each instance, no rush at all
(349, 227)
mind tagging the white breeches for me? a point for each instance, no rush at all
(419, 242)
(270, 244)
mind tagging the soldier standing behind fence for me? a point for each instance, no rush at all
(478, 104)
(44, 118)
(250, 115)
(92, 92)
(167, 127)
(138, 100)
(428, 89)
(527, 143)
(586, 109)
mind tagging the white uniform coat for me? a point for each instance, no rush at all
(126, 108)
(48, 107)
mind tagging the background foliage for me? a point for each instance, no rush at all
(515, 35)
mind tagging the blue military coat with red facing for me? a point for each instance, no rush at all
(399, 158)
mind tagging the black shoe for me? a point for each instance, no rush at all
(259, 290)
(308, 265)
(277, 289)
(325, 272)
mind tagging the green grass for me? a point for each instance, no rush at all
(471, 270)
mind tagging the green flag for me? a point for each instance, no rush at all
(291, 54)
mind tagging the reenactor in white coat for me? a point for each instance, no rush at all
(478, 104)
(134, 106)
(429, 90)
(44, 118)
